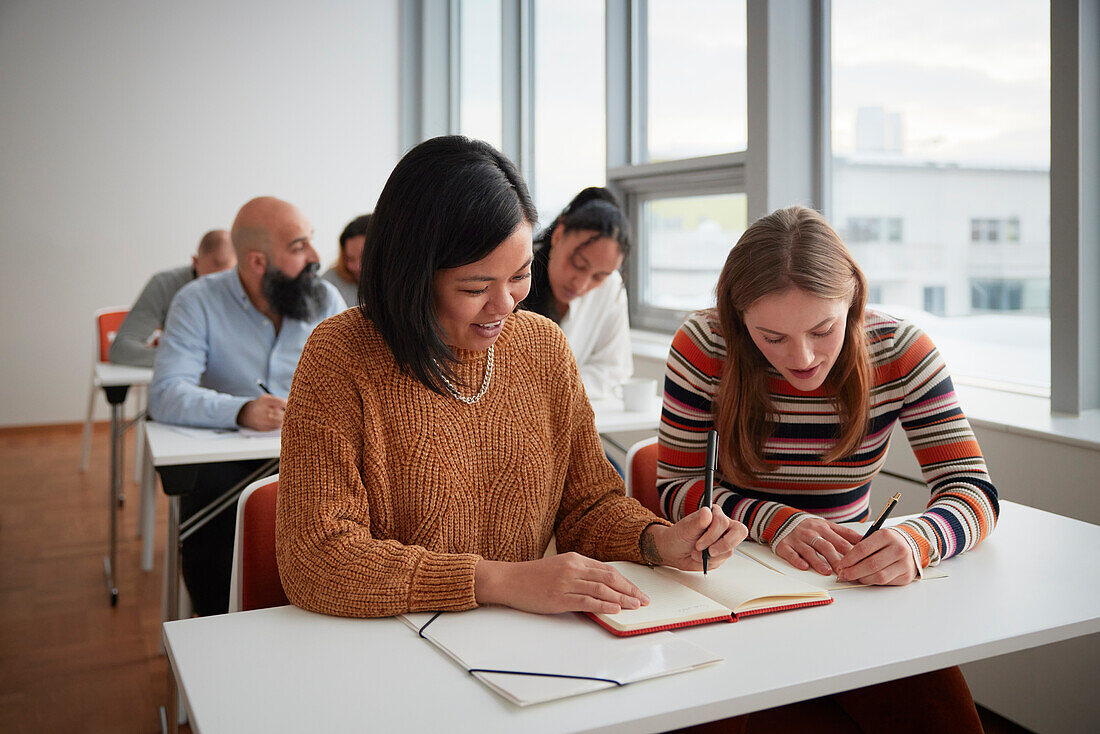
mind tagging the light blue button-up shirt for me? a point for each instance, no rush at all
(216, 345)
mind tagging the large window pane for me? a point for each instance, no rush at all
(696, 78)
(686, 241)
(941, 184)
(570, 148)
(479, 79)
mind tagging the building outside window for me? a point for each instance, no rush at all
(959, 148)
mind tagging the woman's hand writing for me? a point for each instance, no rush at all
(817, 543)
(884, 559)
(681, 545)
(568, 582)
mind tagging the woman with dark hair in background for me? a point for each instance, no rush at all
(804, 386)
(344, 274)
(435, 439)
(576, 282)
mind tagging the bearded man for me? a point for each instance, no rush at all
(230, 346)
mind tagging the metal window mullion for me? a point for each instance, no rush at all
(454, 66)
(639, 80)
(518, 83)
(1074, 191)
(412, 63)
(618, 78)
(823, 106)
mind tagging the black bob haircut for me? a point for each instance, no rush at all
(355, 228)
(595, 209)
(450, 201)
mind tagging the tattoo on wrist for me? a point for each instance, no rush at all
(648, 546)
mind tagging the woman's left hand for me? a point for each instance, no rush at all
(681, 546)
(884, 559)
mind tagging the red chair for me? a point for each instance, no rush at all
(641, 474)
(107, 323)
(254, 582)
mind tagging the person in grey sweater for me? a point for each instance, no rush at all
(132, 344)
(345, 273)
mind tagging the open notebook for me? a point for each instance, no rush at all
(531, 658)
(741, 586)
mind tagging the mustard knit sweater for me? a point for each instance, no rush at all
(389, 493)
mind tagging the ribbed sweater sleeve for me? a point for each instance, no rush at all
(963, 507)
(595, 517)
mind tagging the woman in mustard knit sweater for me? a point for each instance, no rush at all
(435, 439)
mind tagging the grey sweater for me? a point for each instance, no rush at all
(131, 344)
(348, 291)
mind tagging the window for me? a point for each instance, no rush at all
(695, 78)
(947, 149)
(479, 100)
(893, 229)
(683, 174)
(959, 148)
(570, 122)
(687, 240)
(864, 229)
(934, 299)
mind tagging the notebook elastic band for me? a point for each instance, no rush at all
(471, 671)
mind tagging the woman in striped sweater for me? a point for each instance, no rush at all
(804, 387)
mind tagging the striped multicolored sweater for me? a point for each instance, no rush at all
(911, 384)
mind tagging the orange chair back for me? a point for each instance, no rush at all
(108, 323)
(260, 584)
(643, 478)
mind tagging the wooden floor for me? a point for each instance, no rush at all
(69, 662)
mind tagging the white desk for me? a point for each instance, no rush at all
(286, 670)
(116, 381)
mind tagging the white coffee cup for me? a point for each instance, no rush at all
(639, 393)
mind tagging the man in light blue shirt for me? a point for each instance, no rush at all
(223, 333)
(228, 330)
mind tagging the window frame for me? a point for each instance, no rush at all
(789, 101)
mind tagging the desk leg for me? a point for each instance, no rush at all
(148, 523)
(116, 396)
(172, 560)
(110, 563)
(172, 602)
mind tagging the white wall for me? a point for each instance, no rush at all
(130, 127)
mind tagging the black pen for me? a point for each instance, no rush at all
(882, 515)
(263, 386)
(708, 481)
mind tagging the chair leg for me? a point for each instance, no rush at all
(86, 443)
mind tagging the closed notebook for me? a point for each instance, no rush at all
(739, 587)
(531, 658)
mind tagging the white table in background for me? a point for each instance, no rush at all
(116, 381)
(285, 670)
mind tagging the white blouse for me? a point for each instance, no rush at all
(597, 327)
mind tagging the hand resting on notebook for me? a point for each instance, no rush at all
(570, 582)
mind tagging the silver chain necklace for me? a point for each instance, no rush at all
(470, 400)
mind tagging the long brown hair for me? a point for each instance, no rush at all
(793, 247)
